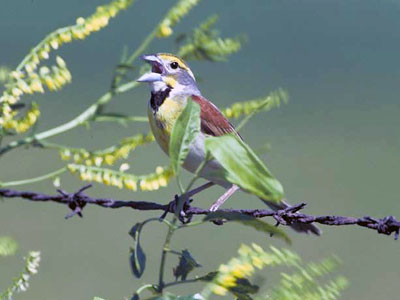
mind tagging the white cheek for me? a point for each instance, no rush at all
(158, 86)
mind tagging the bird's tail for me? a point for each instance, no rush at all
(302, 228)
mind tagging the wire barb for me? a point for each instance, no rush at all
(78, 200)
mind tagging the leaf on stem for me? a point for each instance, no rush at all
(246, 220)
(243, 167)
(138, 257)
(186, 264)
(183, 134)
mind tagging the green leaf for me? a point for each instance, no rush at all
(7, 246)
(209, 276)
(243, 167)
(186, 264)
(138, 257)
(184, 132)
(246, 220)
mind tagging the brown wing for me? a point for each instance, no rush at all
(213, 122)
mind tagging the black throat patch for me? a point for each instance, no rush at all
(158, 98)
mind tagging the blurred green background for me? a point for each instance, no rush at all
(335, 146)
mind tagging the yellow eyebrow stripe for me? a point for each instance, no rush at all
(171, 57)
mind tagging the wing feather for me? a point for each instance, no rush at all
(213, 122)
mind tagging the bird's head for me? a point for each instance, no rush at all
(169, 71)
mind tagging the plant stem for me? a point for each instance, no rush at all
(91, 111)
(85, 116)
(106, 118)
(144, 287)
(264, 104)
(146, 42)
(181, 282)
(174, 252)
(164, 252)
(35, 179)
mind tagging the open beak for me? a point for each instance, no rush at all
(156, 69)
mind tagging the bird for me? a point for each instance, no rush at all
(172, 84)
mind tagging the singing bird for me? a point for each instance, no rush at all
(172, 85)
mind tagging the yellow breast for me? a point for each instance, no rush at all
(162, 121)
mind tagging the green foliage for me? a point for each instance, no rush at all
(184, 132)
(108, 156)
(21, 283)
(28, 79)
(174, 15)
(121, 179)
(7, 246)
(233, 276)
(251, 107)
(304, 283)
(248, 221)
(243, 167)
(204, 43)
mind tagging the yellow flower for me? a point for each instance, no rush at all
(24, 86)
(77, 158)
(44, 54)
(71, 168)
(54, 44)
(106, 178)
(164, 31)
(159, 170)
(162, 181)
(66, 37)
(36, 86)
(116, 181)
(97, 177)
(257, 262)
(109, 159)
(80, 21)
(61, 62)
(154, 185)
(98, 160)
(112, 11)
(65, 154)
(130, 184)
(16, 92)
(78, 33)
(219, 290)
(50, 83)
(227, 280)
(144, 185)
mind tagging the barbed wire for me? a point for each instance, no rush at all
(78, 200)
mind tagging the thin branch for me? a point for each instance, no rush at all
(78, 200)
(81, 119)
(34, 179)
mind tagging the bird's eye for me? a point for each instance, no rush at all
(174, 65)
